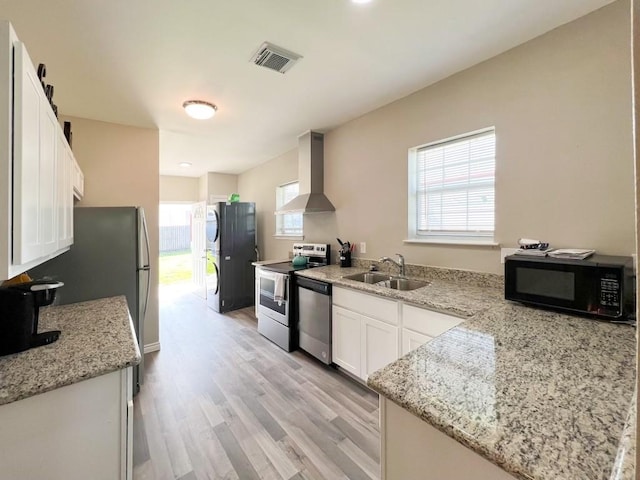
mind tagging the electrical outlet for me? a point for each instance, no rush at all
(363, 247)
(505, 252)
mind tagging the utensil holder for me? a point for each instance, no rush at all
(345, 259)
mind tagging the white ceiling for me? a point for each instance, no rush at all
(135, 62)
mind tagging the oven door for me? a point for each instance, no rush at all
(268, 305)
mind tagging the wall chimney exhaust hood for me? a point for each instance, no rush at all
(311, 198)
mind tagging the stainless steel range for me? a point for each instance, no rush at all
(277, 299)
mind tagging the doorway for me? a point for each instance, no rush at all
(175, 265)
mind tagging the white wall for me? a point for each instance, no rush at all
(178, 189)
(259, 185)
(561, 106)
(213, 186)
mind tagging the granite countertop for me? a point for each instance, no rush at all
(458, 295)
(540, 394)
(97, 337)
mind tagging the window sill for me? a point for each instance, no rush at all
(461, 242)
(288, 237)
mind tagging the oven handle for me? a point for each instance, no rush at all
(272, 276)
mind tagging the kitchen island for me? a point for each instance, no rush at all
(66, 408)
(537, 393)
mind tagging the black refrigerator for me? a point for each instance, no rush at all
(231, 248)
(109, 257)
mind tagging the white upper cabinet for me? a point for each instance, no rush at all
(26, 173)
(78, 181)
(48, 179)
(64, 192)
(36, 166)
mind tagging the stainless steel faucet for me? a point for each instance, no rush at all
(399, 263)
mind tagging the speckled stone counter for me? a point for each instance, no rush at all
(462, 296)
(96, 337)
(542, 395)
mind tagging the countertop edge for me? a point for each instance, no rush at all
(624, 467)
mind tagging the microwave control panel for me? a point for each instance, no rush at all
(610, 291)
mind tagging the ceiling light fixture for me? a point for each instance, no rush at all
(199, 109)
(361, 1)
(184, 164)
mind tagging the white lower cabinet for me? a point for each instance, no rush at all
(370, 332)
(362, 344)
(420, 325)
(412, 340)
(80, 431)
(346, 341)
(380, 345)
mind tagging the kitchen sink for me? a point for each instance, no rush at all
(369, 277)
(387, 281)
(406, 284)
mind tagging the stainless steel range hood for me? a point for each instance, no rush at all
(311, 197)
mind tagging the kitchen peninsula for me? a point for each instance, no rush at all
(71, 401)
(537, 393)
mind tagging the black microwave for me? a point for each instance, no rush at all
(600, 286)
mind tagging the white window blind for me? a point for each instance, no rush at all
(288, 223)
(455, 187)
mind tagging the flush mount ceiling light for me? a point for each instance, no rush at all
(199, 109)
(184, 164)
(361, 1)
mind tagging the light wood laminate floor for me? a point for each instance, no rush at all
(221, 402)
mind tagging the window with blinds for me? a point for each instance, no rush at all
(287, 223)
(454, 188)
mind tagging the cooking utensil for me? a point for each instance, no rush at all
(340, 242)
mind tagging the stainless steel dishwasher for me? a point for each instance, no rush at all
(314, 318)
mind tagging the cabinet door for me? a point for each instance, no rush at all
(379, 345)
(70, 162)
(26, 171)
(346, 344)
(64, 193)
(78, 181)
(412, 340)
(48, 179)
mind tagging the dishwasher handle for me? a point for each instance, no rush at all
(314, 285)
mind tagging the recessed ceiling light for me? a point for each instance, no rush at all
(361, 1)
(184, 164)
(199, 109)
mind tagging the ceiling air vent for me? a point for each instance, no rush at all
(275, 58)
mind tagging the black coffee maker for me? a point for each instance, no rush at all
(19, 309)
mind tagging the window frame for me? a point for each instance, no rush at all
(463, 238)
(280, 217)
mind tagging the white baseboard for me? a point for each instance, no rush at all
(152, 347)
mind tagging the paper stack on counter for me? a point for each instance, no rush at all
(573, 253)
